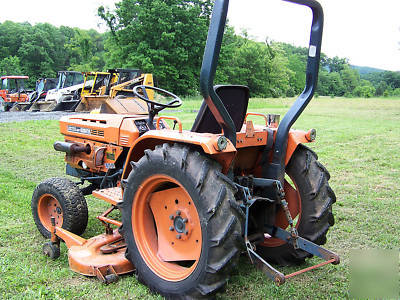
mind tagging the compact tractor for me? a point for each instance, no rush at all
(12, 91)
(111, 91)
(192, 201)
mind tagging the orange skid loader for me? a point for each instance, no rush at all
(192, 201)
(12, 91)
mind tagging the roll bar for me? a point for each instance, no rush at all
(209, 66)
(208, 69)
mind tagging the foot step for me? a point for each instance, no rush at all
(110, 195)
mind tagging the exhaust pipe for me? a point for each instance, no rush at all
(72, 148)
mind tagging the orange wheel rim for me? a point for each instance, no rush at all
(293, 199)
(166, 227)
(48, 207)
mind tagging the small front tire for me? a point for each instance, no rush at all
(59, 198)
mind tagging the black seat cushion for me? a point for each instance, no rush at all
(235, 98)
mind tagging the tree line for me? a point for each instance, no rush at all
(43, 49)
(167, 38)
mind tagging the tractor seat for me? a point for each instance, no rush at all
(235, 99)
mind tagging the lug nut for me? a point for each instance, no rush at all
(171, 228)
(184, 220)
(171, 217)
(178, 236)
(178, 212)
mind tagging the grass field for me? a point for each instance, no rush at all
(358, 140)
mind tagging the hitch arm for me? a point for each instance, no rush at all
(303, 244)
(299, 243)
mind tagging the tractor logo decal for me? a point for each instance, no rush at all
(84, 130)
(77, 129)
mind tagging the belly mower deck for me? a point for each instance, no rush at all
(103, 256)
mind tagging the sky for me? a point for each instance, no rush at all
(367, 32)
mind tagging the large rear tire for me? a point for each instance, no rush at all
(311, 193)
(180, 224)
(59, 198)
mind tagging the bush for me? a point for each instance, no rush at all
(365, 91)
(396, 92)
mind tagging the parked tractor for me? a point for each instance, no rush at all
(66, 94)
(111, 92)
(43, 85)
(12, 91)
(192, 201)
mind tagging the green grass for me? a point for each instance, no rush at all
(358, 140)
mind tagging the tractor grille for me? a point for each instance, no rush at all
(97, 132)
(123, 140)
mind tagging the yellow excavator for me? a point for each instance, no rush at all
(111, 91)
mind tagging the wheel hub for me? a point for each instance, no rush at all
(170, 238)
(179, 225)
(48, 207)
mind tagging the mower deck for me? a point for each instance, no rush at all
(103, 255)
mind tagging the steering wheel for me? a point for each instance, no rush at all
(175, 102)
(154, 106)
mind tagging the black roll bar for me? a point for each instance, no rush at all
(210, 60)
(209, 66)
(277, 167)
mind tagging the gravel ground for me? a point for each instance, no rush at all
(6, 117)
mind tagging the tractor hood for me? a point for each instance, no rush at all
(104, 128)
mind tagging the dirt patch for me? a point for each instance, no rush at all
(6, 117)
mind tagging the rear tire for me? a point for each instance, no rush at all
(181, 170)
(311, 180)
(59, 198)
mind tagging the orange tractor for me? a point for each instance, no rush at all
(12, 91)
(192, 201)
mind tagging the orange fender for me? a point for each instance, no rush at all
(205, 142)
(297, 137)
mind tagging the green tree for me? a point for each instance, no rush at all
(10, 66)
(381, 88)
(11, 35)
(364, 90)
(336, 64)
(330, 84)
(298, 77)
(392, 79)
(262, 67)
(41, 50)
(350, 78)
(163, 37)
(396, 92)
(85, 49)
(35, 55)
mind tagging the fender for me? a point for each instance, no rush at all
(204, 142)
(297, 137)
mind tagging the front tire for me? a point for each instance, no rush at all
(179, 223)
(311, 194)
(59, 198)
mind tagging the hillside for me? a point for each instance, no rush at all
(365, 70)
